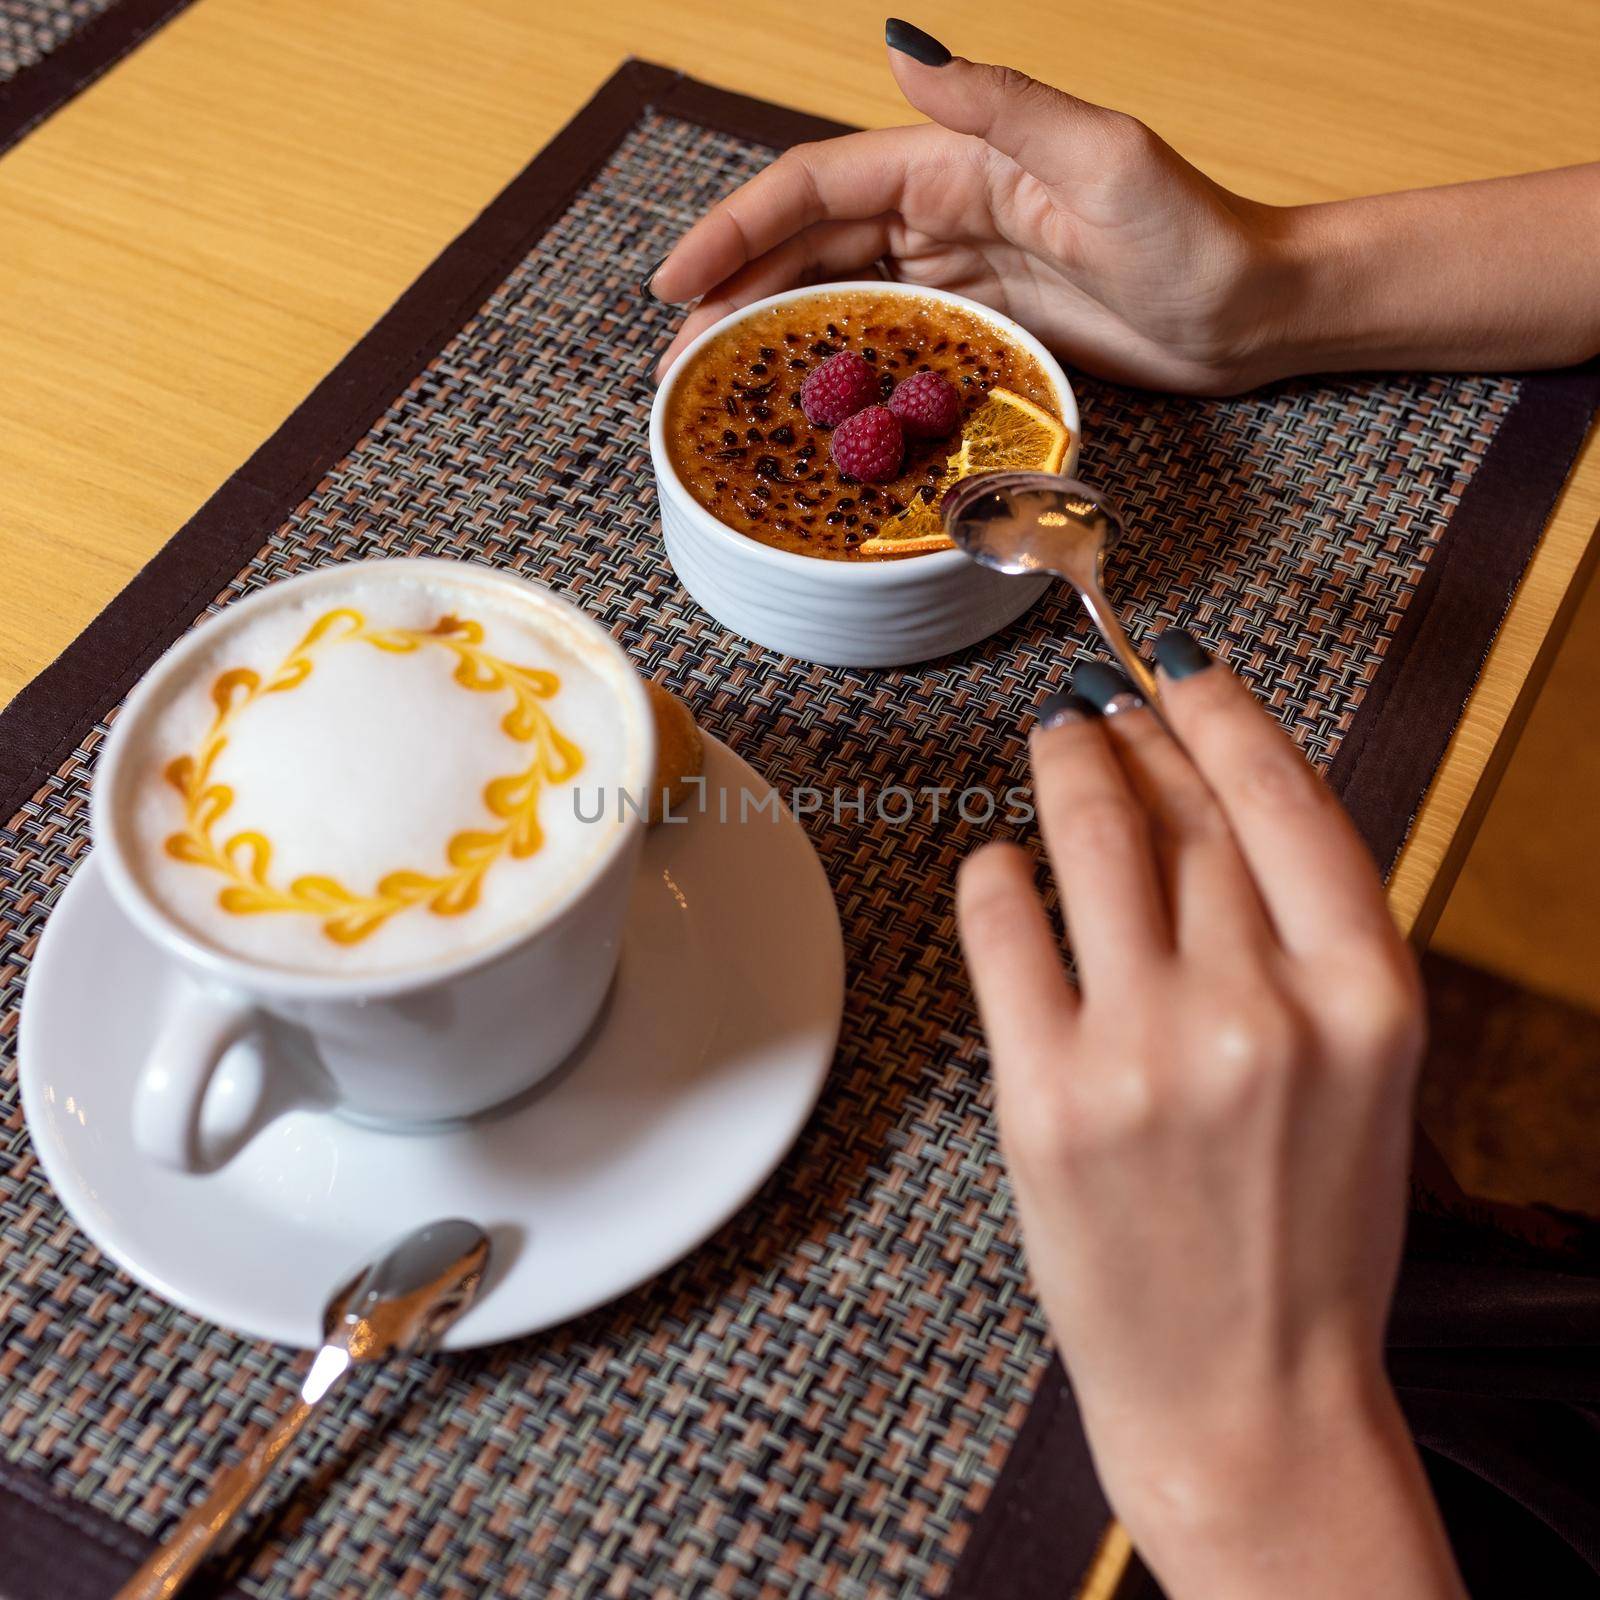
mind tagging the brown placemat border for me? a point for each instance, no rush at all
(38, 91)
(1033, 1528)
(1407, 717)
(1046, 1514)
(57, 1550)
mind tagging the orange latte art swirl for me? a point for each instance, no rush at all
(377, 778)
(244, 860)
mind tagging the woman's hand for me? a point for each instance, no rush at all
(1076, 221)
(1208, 1136)
(1133, 265)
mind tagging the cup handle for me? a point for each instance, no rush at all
(200, 1026)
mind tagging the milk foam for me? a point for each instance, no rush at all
(370, 768)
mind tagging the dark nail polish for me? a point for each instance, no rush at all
(915, 43)
(1106, 688)
(1062, 708)
(649, 277)
(1180, 654)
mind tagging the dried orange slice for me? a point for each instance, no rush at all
(1007, 433)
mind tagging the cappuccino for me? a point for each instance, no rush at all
(378, 774)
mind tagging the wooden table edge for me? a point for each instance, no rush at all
(1545, 601)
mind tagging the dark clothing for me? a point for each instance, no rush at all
(1494, 1348)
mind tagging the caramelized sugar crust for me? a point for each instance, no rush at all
(742, 446)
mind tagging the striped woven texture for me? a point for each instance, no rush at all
(31, 29)
(819, 1401)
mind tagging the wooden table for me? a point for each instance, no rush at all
(190, 245)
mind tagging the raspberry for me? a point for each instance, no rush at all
(839, 388)
(869, 446)
(927, 405)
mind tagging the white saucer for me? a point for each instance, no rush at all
(714, 1046)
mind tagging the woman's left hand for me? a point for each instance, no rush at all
(1074, 219)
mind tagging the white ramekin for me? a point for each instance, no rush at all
(842, 613)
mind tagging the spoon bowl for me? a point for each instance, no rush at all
(1017, 522)
(400, 1303)
(1023, 523)
(403, 1300)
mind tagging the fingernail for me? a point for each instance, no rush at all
(649, 277)
(1180, 654)
(913, 42)
(1063, 708)
(1106, 689)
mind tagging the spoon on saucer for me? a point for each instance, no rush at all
(1020, 522)
(400, 1303)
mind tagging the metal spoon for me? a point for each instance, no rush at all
(399, 1304)
(1017, 522)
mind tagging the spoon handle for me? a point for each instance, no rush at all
(188, 1545)
(1105, 619)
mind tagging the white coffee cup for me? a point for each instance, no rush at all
(422, 1045)
(842, 613)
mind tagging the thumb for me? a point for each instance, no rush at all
(1046, 132)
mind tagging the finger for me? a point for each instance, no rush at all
(1210, 895)
(1099, 845)
(826, 249)
(1024, 999)
(1055, 136)
(848, 179)
(1314, 874)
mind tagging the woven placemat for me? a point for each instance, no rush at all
(51, 49)
(822, 1400)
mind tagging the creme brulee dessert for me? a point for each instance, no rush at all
(831, 425)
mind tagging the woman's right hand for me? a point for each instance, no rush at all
(1077, 221)
(1208, 1136)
